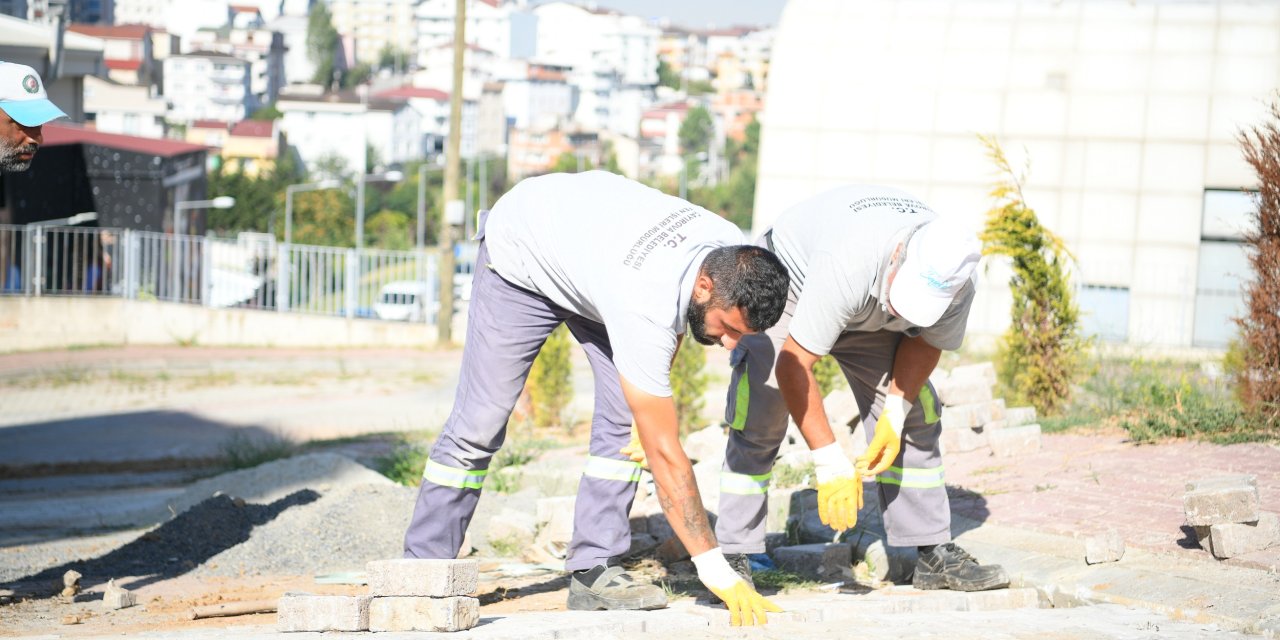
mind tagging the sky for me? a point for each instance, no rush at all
(700, 13)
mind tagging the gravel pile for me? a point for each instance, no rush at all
(341, 531)
(274, 480)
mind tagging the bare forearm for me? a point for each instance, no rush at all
(800, 391)
(682, 504)
(912, 365)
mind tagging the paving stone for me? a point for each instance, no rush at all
(962, 440)
(779, 508)
(552, 542)
(773, 540)
(641, 543)
(966, 416)
(308, 612)
(804, 523)
(547, 508)
(981, 373)
(1237, 539)
(817, 561)
(992, 426)
(457, 613)
(1019, 416)
(706, 444)
(956, 393)
(884, 563)
(513, 528)
(414, 577)
(1221, 500)
(671, 551)
(114, 597)
(1014, 441)
(998, 409)
(841, 407)
(1107, 547)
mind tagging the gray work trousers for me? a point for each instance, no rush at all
(912, 496)
(506, 327)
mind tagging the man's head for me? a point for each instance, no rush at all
(926, 275)
(24, 109)
(740, 290)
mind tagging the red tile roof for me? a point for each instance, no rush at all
(124, 65)
(123, 31)
(57, 135)
(254, 129)
(412, 92)
(244, 8)
(210, 124)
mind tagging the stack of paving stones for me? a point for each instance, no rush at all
(1225, 513)
(972, 418)
(404, 595)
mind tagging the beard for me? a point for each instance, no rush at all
(697, 318)
(9, 160)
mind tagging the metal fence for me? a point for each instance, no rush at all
(250, 271)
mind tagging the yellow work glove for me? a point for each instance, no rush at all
(887, 441)
(634, 451)
(746, 607)
(839, 488)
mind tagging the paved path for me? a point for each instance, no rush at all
(1081, 485)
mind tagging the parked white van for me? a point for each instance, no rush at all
(407, 300)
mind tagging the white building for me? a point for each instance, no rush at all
(479, 66)
(124, 109)
(344, 126)
(536, 95)
(376, 26)
(263, 48)
(209, 86)
(614, 58)
(298, 67)
(182, 19)
(432, 109)
(506, 28)
(1128, 112)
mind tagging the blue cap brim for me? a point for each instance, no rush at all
(32, 113)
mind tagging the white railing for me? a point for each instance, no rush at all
(251, 271)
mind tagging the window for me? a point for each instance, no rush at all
(1223, 268)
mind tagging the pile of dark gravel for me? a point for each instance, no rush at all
(181, 544)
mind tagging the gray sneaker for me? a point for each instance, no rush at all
(613, 589)
(950, 567)
(742, 566)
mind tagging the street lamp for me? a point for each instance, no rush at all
(221, 202)
(288, 202)
(388, 176)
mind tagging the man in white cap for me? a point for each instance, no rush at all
(884, 285)
(24, 109)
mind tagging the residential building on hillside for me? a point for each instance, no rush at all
(376, 26)
(209, 86)
(1128, 113)
(250, 146)
(82, 11)
(262, 48)
(507, 28)
(343, 130)
(436, 72)
(129, 110)
(537, 95)
(127, 52)
(181, 19)
(298, 67)
(613, 58)
(535, 152)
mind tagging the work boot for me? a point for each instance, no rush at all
(741, 564)
(611, 588)
(948, 566)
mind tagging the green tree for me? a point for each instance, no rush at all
(696, 131)
(667, 77)
(268, 113)
(356, 76)
(827, 371)
(1259, 377)
(689, 384)
(322, 44)
(389, 229)
(324, 218)
(1041, 354)
(550, 384)
(258, 198)
(568, 163)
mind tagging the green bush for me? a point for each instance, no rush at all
(550, 382)
(405, 464)
(688, 384)
(1259, 377)
(1040, 356)
(829, 375)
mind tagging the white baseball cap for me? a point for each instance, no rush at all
(23, 97)
(941, 257)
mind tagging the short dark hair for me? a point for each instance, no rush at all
(751, 278)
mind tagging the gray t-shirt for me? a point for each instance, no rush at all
(836, 247)
(612, 250)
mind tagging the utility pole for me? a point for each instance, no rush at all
(444, 319)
